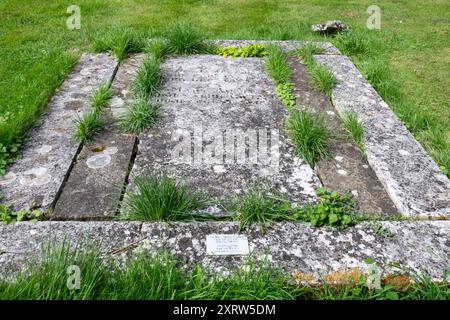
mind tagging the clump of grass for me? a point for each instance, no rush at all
(120, 41)
(277, 66)
(148, 78)
(260, 206)
(354, 127)
(87, 126)
(323, 78)
(156, 48)
(100, 98)
(377, 72)
(160, 197)
(184, 39)
(307, 51)
(139, 116)
(309, 135)
(354, 42)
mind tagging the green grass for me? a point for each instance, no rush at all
(306, 52)
(87, 126)
(156, 48)
(184, 39)
(354, 128)
(101, 97)
(120, 41)
(276, 64)
(260, 206)
(148, 78)
(139, 116)
(323, 78)
(309, 135)
(161, 277)
(253, 50)
(157, 196)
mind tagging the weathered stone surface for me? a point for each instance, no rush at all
(285, 45)
(330, 27)
(35, 179)
(297, 247)
(20, 243)
(210, 101)
(413, 180)
(344, 169)
(422, 246)
(94, 188)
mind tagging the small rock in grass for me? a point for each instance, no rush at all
(330, 27)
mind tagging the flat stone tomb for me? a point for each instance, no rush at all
(222, 130)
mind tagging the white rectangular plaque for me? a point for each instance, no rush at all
(226, 244)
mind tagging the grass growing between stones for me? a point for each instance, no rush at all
(148, 78)
(87, 126)
(139, 116)
(160, 277)
(157, 196)
(354, 128)
(309, 135)
(277, 66)
(101, 97)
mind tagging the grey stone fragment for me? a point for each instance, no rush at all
(344, 169)
(35, 179)
(215, 95)
(330, 27)
(95, 185)
(413, 180)
(285, 45)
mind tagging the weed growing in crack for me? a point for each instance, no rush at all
(307, 51)
(355, 128)
(334, 209)
(148, 78)
(160, 197)
(309, 135)
(101, 97)
(260, 206)
(323, 78)
(139, 116)
(277, 66)
(87, 126)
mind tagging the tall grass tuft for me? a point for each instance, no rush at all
(355, 128)
(87, 126)
(148, 78)
(139, 116)
(259, 206)
(323, 79)
(309, 135)
(277, 66)
(184, 39)
(160, 197)
(100, 98)
(307, 52)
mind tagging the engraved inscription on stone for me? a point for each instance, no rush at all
(226, 244)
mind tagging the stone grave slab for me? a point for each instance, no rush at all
(35, 180)
(96, 183)
(345, 169)
(422, 246)
(413, 180)
(222, 130)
